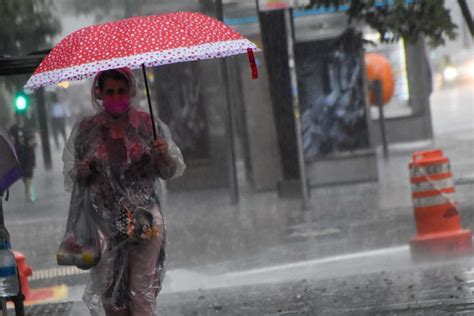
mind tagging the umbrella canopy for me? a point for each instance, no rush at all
(9, 168)
(136, 42)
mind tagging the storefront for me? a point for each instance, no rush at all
(339, 145)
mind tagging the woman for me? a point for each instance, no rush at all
(113, 157)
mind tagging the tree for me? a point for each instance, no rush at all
(395, 19)
(26, 26)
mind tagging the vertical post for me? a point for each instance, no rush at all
(467, 15)
(296, 106)
(4, 306)
(43, 125)
(233, 185)
(377, 90)
(273, 32)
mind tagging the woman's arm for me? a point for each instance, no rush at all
(164, 162)
(75, 166)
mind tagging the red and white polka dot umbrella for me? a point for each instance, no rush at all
(148, 40)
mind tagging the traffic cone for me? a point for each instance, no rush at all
(438, 224)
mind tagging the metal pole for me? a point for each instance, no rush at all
(43, 123)
(295, 104)
(234, 189)
(4, 306)
(467, 15)
(377, 90)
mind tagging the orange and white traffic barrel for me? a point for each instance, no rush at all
(438, 223)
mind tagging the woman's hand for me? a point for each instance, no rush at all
(83, 169)
(160, 147)
(165, 163)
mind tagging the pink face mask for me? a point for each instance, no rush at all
(116, 105)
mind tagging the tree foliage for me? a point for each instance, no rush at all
(26, 26)
(395, 19)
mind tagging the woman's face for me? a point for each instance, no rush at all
(115, 89)
(116, 96)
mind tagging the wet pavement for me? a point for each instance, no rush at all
(429, 291)
(209, 238)
(382, 282)
(423, 291)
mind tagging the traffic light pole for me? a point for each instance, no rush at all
(296, 107)
(467, 15)
(43, 125)
(377, 89)
(224, 67)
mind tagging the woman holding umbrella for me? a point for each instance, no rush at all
(113, 158)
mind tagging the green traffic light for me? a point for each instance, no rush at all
(21, 103)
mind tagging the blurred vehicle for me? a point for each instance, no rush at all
(455, 68)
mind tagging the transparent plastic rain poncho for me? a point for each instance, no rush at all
(116, 211)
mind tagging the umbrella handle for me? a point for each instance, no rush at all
(149, 101)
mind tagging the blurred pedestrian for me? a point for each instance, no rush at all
(59, 114)
(24, 139)
(112, 155)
